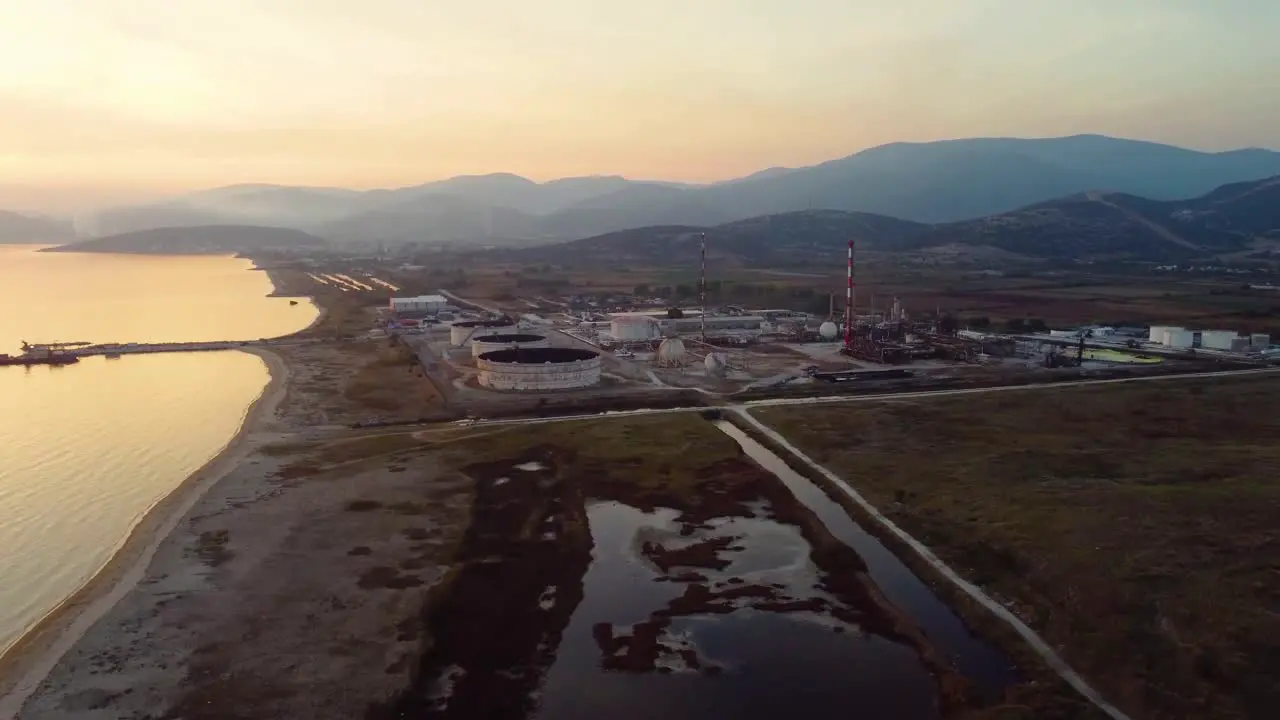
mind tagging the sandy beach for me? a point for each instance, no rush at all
(29, 661)
(265, 556)
(25, 665)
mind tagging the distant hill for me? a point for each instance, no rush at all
(1095, 224)
(780, 240)
(17, 229)
(935, 182)
(1089, 225)
(206, 240)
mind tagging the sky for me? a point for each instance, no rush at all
(115, 100)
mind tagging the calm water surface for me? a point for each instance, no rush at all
(86, 450)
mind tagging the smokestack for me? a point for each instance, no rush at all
(848, 305)
(702, 288)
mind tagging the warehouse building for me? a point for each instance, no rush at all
(423, 304)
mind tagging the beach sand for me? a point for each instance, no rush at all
(32, 657)
(257, 589)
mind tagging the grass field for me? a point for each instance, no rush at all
(1132, 526)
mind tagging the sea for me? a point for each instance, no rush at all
(87, 449)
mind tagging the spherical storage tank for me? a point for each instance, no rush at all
(671, 353)
(715, 363)
(828, 330)
(488, 342)
(461, 332)
(534, 369)
(628, 328)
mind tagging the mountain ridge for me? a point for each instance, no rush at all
(933, 182)
(1087, 225)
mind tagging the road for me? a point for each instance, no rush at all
(746, 407)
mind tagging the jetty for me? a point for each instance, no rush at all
(67, 352)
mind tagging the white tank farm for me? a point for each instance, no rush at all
(671, 353)
(539, 369)
(461, 332)
(488, 342)
(1217, 339)
(828, 330)
(633, 328)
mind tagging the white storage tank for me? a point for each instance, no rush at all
(1217, 339)
(715, 363)
(671, 353)
(1260, 341)
(632, 328)
(1179, 338)
(539, 369)
(1157, 332)
(461, 332)
(501, 341)
(828, 330)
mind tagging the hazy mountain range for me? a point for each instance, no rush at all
(1232, 219)
(16, 228)
(202, 240)
(934, 182)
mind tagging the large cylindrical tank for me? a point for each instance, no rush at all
(671, 353)
(461, 332)
(1217, 339)
(1157, 332)
(501, 341)
(632, 328)
(828, 330)
(538, 369)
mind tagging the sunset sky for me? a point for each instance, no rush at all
(107, 100)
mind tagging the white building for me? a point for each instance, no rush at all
(1217, 339)
(1178, 338)
(422, 303)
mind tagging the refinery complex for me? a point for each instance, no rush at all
(540, 344)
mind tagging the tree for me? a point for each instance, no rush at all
(979, 323)
(1015, 325)
(1036, 325)
(642, 290)
(675, 313)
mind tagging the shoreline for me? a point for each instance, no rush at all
(30, 660)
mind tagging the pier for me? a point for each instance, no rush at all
(80, 350)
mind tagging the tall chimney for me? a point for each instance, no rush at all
(848, 304)
(702, 288)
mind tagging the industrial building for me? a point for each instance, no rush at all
(421, 304)
(538, 369)
(481, 344)
(461, 332)
(641, 327)
(1218, 339)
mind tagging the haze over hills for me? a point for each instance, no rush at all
(16, 228)
(932, 182)
(1092, 225)
(205, 240)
